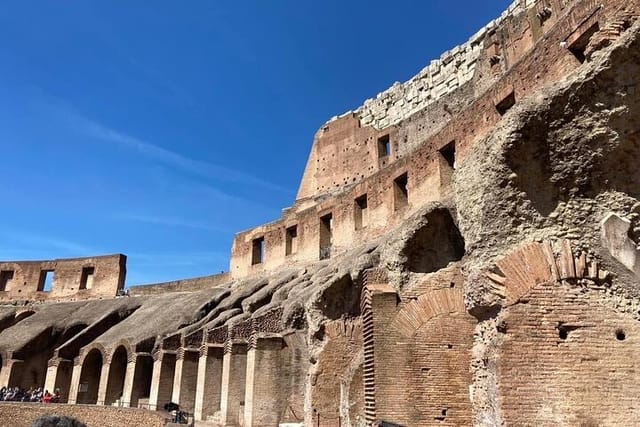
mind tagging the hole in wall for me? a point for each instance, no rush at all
(506, 104)
(563, 333)
(579, 46)
(620, 335)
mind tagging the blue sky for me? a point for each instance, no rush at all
(159, 129)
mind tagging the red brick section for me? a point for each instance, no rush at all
(585, 376)
(566, 356)
(23, 414)
(338, 376)
(422, 356)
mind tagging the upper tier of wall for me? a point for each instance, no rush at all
(343, 154)
(356, 189)
(442, 76)
(69, 279)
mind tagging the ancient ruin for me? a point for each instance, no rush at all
(463, 250)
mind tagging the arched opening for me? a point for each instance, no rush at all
(117, 371)
(142, 381)
(90, 377)
(435, 244)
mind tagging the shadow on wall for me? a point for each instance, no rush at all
(530, 161)
(342, 297)
(434, 245)
(565, 151)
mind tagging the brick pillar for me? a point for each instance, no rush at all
(128, 381)
(379, 306)
(209, 382)
(164, 365)
(75, 381)
(184, 383)
(234, 367)
(104, 380)
(263, 389)
(9, 372)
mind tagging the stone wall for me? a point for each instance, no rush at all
(70, 279)
(183, 285)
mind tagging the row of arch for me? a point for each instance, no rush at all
(104, 380)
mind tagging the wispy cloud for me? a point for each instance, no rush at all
(160, 154)
(171, 222)
(17, 241)
(144, 259)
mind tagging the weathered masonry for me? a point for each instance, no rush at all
(464, 249)
(63, 279)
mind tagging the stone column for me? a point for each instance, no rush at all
(209, 382)
(162, 379)
(234, 367)
(128, 381)
(263, 390)
(75, 381)
(9, 371)
(50, 378)
(58, 377)
(104, 380)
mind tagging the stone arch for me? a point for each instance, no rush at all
(92, 361)
(117, 373)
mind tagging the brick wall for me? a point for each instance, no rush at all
(336, 383)
(533, 55)
(587, 377)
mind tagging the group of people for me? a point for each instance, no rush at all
(15, 394)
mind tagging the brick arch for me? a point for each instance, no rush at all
(426, 307)
(536, 263)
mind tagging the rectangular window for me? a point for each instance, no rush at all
(326, 235)
(578, 47)
(86, 280)
(45, 282)
(360, 212)
(291, 243)
(506, 104)
(257, 252)
(6, 276)
(384, 146)
(400, 193)
(448, 152)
